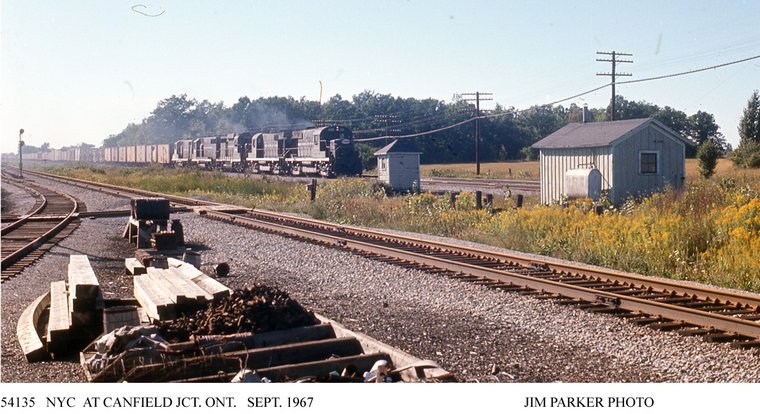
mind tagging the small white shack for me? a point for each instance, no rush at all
(398, 165)
(626, 158)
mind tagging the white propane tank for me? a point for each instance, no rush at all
(583, 183)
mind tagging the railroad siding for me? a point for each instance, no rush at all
(555, 162)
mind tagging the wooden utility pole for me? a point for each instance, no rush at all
(477, 99)
(20, 158)
(613, 74)
(389, 120)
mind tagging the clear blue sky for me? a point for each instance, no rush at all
(77, 71)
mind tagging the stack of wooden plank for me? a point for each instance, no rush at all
(165, 293)
(207, 283)
(84, 292)
(74, 310)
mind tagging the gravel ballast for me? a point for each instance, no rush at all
(479, 334)
(15, 200)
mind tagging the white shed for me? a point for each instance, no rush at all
(398, 165)
(634, 157)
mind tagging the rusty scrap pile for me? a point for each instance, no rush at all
(254, 309)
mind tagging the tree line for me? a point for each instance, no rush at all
(505, 135)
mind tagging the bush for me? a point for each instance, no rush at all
(747, 155)
(708, 154)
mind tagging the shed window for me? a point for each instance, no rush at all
(648, 163)
(383, 164)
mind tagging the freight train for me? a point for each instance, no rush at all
(326, 151)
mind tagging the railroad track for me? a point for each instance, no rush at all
(513, 185)
(716, 315)
(29, 236)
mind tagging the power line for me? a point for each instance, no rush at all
(673, 75)
(613, 74)
(420, 134)
(389, 120)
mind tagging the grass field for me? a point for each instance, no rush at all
(528, 170)
(520, 170)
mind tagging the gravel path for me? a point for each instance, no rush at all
(477, 333)
(15, 200)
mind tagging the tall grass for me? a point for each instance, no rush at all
(707, 232)
(244, 191)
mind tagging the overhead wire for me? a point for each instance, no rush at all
(689, 72)
(559, 100)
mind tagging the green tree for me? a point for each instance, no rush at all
(747, 154)
(701, 127)
(672, 118)
(749, 124)
(707, 155)
(625, 109)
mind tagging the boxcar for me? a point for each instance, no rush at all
(140, 151)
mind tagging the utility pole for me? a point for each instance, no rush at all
(613, 74)
(389, 120)
(477, 99)
(20, 145)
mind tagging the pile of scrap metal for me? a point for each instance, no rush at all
(252, 309)
(324, 352)
(148, 225)
(256, 334)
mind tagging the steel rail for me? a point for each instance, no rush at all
(18, 254)
(484, 182)
(727, 323)
(24, 218)
(670, 287)
(693, 316)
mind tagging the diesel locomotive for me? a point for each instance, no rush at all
(326, 151)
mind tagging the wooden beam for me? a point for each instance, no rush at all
(176, 278)
(59, 320)
(26, 329)
(156, 303)
(205, 282)
(82, 281)
(134, 267)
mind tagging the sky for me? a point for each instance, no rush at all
(78, 71)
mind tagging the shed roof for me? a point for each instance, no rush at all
(599, 134)
(398, 146)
